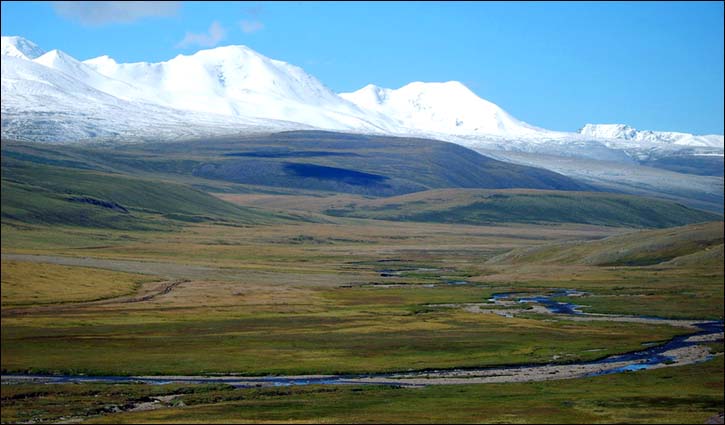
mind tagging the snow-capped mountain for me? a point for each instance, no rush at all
(81, 72)
(237, 81)
(41, 103)
(450, 111)
(52, 96)
(20, 48)
(625, 132)
(226, 90)
(446, 108)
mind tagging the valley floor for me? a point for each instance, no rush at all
(346, 296)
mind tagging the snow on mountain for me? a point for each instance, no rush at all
(234, 89)
(237, 81)
(20, 47)
(34, 86)
(52, 97)
(625, 132)
(79, 71)
(40, 103)
(447, 108)
(609, 131)
(452, 112)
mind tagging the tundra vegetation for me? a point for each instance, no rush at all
(181, 260)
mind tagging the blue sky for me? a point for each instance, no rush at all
(653, 65)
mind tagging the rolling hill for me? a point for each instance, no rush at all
(413, 179)
(310, 160)
(526, 206)
(46, 194)
(695, 245)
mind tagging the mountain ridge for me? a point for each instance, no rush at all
(237, 82)
(626, 132)
(20, 47)
(448, 107)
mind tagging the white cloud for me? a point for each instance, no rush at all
(215, 34)
(97, 13)
(251, 26)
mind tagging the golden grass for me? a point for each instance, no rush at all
(25, 283)
(310, 297)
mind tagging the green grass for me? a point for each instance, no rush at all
(688, 394)
(269, 304)
(295, 296)
(405, 165)
(26, 204)
(352, 331)
(526, 206)
(41, 403)
(42, 194)
(677, 294)
(641, 248)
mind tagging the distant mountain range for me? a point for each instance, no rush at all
(233, 88)
(49, 96)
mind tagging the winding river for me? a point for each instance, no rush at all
(680, 350)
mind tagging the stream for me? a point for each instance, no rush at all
(680, 350)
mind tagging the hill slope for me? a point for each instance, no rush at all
(41, 194)
(311, 160)
(680, 245)
(526, 206)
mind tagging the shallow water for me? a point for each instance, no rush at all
(639, 360)
(545, 300)
(643, 359)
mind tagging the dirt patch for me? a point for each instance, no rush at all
(148, 292)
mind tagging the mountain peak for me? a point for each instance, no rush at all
(368, 96)
(609, 131)
(229, 48)
(55, 54)
(626, 132)
(57, 59)
(237, 81)
(101, 59)
(20, 47)
(437, 84)
(440, 107)
(232, 52)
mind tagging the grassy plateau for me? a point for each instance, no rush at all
(180, 259)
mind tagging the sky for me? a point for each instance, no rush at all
(556, 65)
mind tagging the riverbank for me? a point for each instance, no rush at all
(678, 351)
